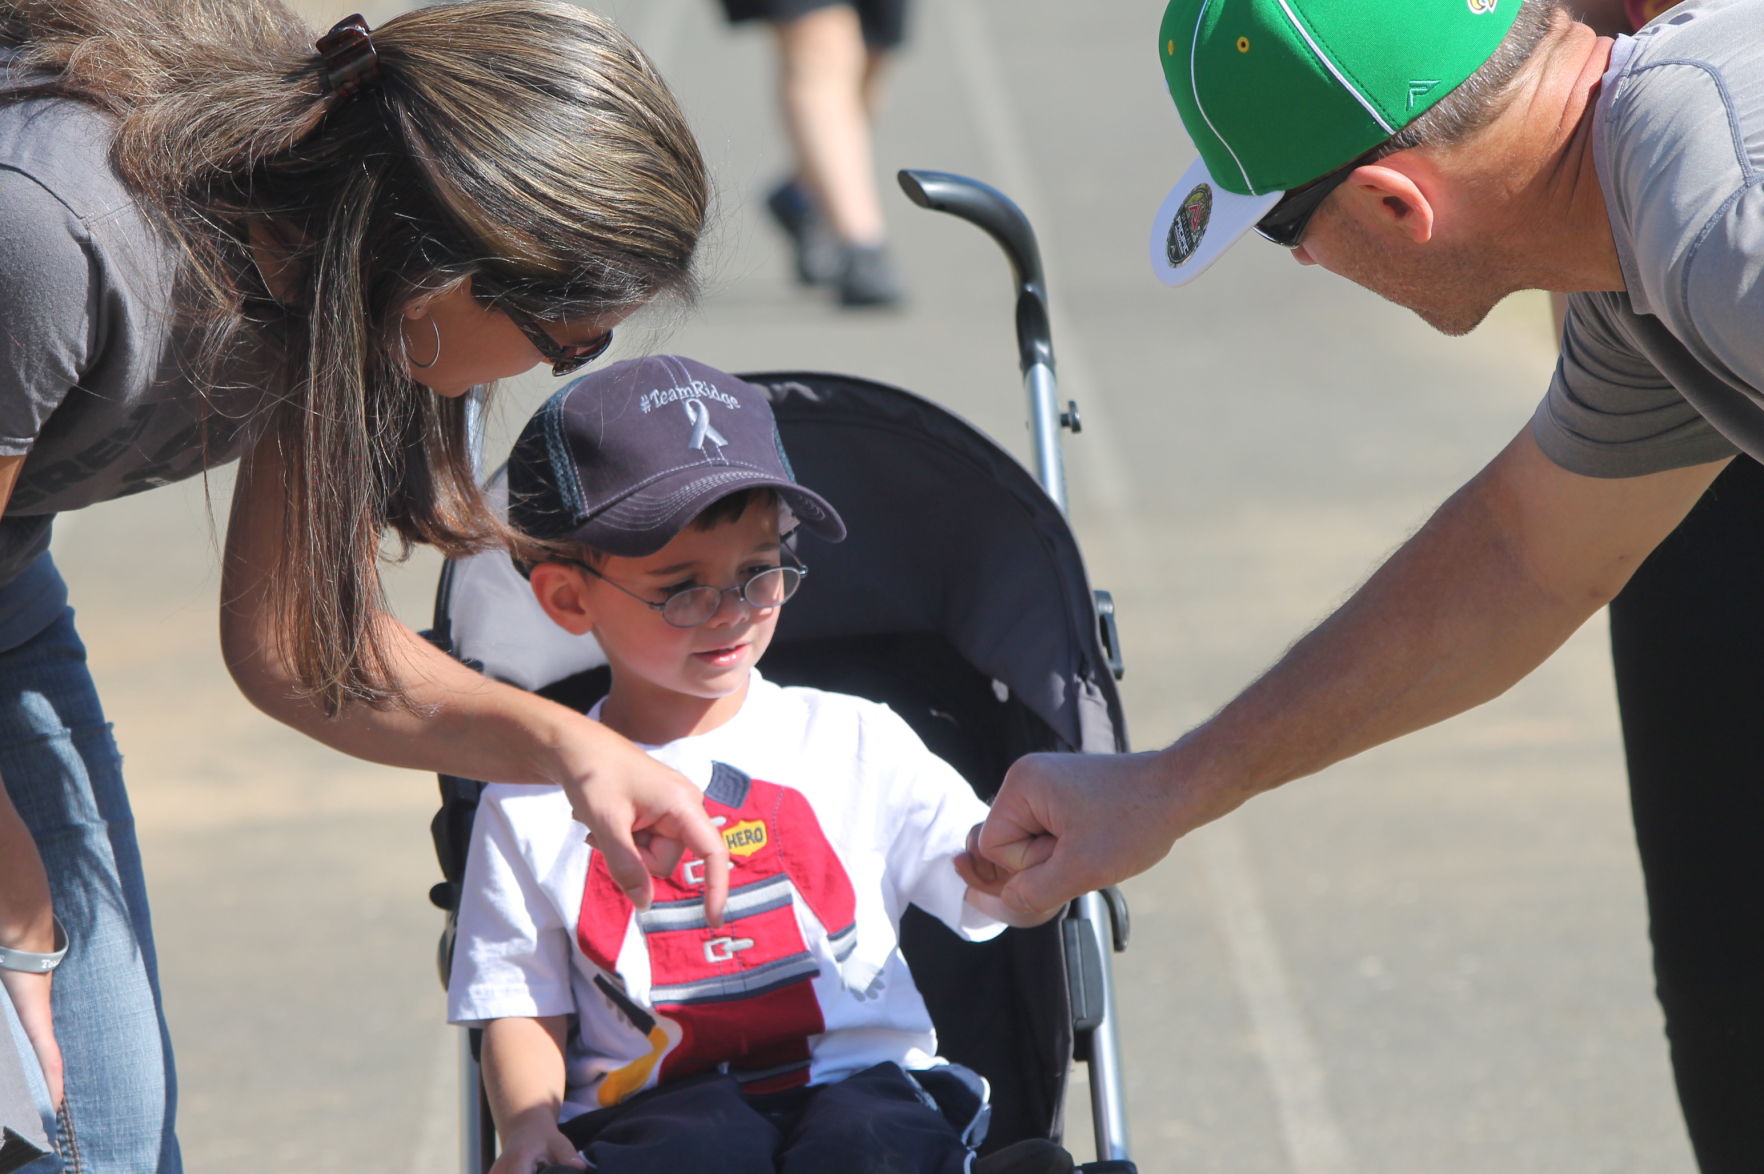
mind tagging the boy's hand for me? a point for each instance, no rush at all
(980, 873)
(987, 880)
(537, 1149)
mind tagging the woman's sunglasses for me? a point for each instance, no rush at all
(563, 359)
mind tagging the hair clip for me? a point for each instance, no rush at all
(351, 62)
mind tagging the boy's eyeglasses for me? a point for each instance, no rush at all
(563, 359)
(1286, 221)
(696, 605)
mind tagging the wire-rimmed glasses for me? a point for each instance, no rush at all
(692, 606)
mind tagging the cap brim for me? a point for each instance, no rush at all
(642, 523)
(1198, 221)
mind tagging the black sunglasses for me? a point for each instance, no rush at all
(563, 359)
(1286, 221)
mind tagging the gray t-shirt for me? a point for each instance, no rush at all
(93, 382)
(1670, 371)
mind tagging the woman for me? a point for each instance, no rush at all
(218, 241)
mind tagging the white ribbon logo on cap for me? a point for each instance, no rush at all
(703, 431)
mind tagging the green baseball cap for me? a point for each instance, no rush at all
(1276, 93)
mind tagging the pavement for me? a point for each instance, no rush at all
(1431, 959)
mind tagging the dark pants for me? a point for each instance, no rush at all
(883, 21)
(876, 1122)
(1687, 639)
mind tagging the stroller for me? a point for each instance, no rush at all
(960, 601)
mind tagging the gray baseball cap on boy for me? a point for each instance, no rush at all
(622, 459)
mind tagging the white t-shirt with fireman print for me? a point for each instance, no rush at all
(837, 817)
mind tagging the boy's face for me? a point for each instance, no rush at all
(655, 663)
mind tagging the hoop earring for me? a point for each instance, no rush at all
(437, 357)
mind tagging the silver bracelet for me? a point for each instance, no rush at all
(36, 963)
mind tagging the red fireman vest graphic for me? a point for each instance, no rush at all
(743, 994)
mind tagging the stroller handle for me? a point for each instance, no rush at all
(990, 209)
(984, 205)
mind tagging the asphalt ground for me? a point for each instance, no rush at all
(1432, 958)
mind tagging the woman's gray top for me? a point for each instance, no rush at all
(94, 388)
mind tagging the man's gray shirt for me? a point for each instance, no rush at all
(1670, 371)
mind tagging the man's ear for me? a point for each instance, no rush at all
(1392, 196)
(562, 590)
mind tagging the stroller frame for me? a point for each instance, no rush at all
(1095, 925)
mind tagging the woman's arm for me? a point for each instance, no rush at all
(27, 920)
(524, 1082)
(27, 923)
(642, 814)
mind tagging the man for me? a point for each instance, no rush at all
(1445, 153)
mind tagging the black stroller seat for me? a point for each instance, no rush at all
(960, 600)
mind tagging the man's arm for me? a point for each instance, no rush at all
(1495, 581)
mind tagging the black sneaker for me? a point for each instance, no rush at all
(812, 250)
(1035, 1156)
(866, 278)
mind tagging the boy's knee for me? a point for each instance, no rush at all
(704, 1126)
(692, 1147)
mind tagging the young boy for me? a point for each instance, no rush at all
(660, 508)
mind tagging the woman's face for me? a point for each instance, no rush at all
(453, 342)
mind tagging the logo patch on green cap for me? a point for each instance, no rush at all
(1189, 224)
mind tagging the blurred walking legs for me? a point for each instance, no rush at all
(830, 71)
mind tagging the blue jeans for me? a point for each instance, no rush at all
(62, 770)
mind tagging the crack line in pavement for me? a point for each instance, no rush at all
(1314, 1140)
(439, 1133)
(1313, 1137)
(1105, 483)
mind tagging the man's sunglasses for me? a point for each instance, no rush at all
(1286, 221)
(563, 359)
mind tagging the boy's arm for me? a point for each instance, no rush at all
(932, 857)
(511, 972)
(523, 1066)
